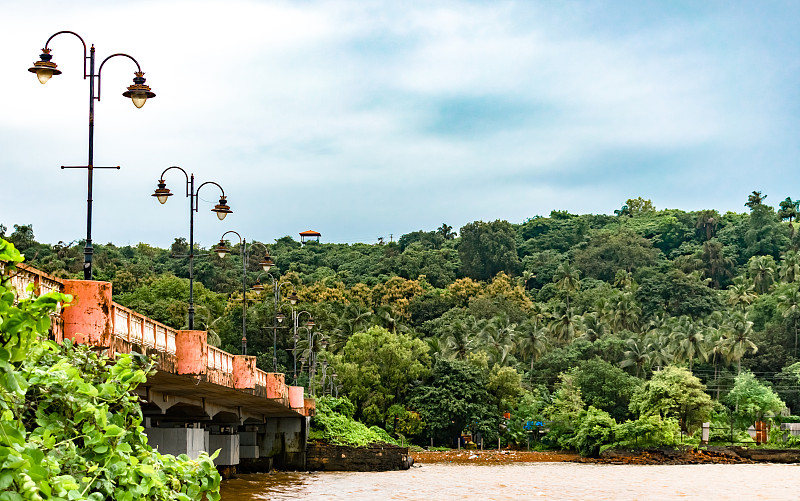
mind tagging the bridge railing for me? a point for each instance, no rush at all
(28, 281)
(220, 360)
(139, 329)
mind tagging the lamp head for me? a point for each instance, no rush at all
(310, 323)
(162, 192)
(293, 298)
(266, 263)
(258, 287)
(279, 317)
(138, 92)
(44, 68)
(222, 209)
(221, 250)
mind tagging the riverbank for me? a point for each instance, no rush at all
(493, 456)
(681, 456)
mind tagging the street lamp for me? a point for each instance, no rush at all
(222, 209)
(296, 326)
(44, 69)
(278, 317)
(266, 263)
(312, 356)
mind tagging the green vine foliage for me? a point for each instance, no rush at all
(70, 428)
(333, 425)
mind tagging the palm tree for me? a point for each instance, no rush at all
(738, 343)
(626, 313)
(498, 335)
(789, 305)
(762, 272)
(562, 327)
(717, 266)
(532, 342)
(636, 355)
(706, 222)
(459, 340)
(790, 266)
(567, 279)
(592, 327)
(741, 294)
(692, 341)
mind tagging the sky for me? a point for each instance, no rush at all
(370, 119)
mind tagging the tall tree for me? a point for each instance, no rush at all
(755, 199)
(486, 249)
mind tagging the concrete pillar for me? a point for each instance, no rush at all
(706, 433)
(87, 320)
(284, 440)
(248, 445)
(175, 441)
(191, 351)
(228, 446)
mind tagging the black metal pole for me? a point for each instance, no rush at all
(192, 196)
(244, 296)
(275, 291)
(87, 249)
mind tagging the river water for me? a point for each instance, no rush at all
(545, 481)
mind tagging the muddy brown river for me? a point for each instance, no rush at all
(546, 481)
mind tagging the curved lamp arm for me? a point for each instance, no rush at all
(85, 57)
(100, 70)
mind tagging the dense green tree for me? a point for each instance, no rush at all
(376, 368)
(606, 387)
(751, 400)
(486, 249)
(454, 398)
(674, 392)
(608, 251)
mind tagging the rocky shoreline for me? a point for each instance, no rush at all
(666, 456)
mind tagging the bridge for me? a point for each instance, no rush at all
(201, 398)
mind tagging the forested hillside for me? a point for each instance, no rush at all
(442, 331)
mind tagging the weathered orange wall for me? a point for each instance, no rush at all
(88, 318)
(276, 385)
(309, 406)
(296, 397)
(191, 352)
(244, 372)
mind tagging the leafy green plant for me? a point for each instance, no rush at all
(336, 428)
(70, 428)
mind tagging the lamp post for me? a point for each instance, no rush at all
(222, 209)
(312, 358)
(138, 92)
(296, 325)
(265, 264)
(277, 318)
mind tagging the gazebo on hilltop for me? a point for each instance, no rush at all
(310, 234)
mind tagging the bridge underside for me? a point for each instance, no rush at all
(165, 390)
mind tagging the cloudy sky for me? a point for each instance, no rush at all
(368, 118)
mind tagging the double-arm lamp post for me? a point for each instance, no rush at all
(295, 326)
(278, 316)
(266, 263)
(44, 69)
(222, 209)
